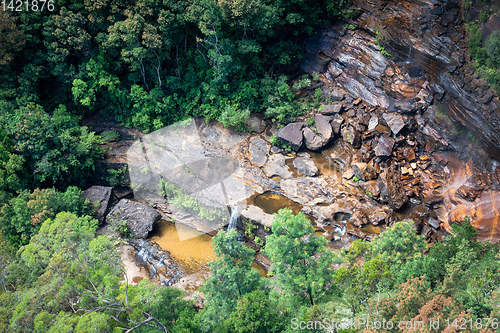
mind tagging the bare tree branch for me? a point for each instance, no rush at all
(148, 319)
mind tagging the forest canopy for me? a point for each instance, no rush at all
(150, 63)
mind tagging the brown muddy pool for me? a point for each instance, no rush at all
(193, 252)
(191, 248)
(271, 202)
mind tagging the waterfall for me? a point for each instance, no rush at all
(235, 215)
(408, 60)
(339, 231)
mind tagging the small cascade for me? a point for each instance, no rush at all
(339, 231)
(233, 222)
(408, 60)
(235, 215)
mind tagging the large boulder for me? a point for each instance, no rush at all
(323, 134)
(323, 126)
(291, 135)
(394, 121)
(306, 166)
(139, 217)
(391, 188)
(384, 146)
(98, 197)
(313, 140)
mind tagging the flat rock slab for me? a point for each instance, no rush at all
(276, 166)
(140, 218)
(98, 196)
(395, 122)
(291, 135)
(257, 215)
(258, 151)
(306, 166)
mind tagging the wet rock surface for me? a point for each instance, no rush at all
(306, 166)
(159, 264)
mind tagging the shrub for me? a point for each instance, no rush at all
(493, 47)
(399, 243)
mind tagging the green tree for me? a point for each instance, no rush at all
(231, 278)
(23, 215)
(6, 257)
(56, 149)
(254, 313)
(415, 301)
(299, 257)
(140, 44)
(492, 45)
(399, 243)
(11, 167)
(79, 286)
(66, 35)
(11, 40)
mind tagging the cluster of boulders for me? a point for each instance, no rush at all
(296, 135)
(386, 159)
(117, 213)
(137, 217)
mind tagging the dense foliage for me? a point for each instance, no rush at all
(145, 63)
(486, 53)
(66, 280)
(23, 215)
(150, 63)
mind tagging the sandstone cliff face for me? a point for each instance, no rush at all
(409, 58)
(425, 59)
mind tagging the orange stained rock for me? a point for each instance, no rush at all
(484, 213)
(408, 90)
